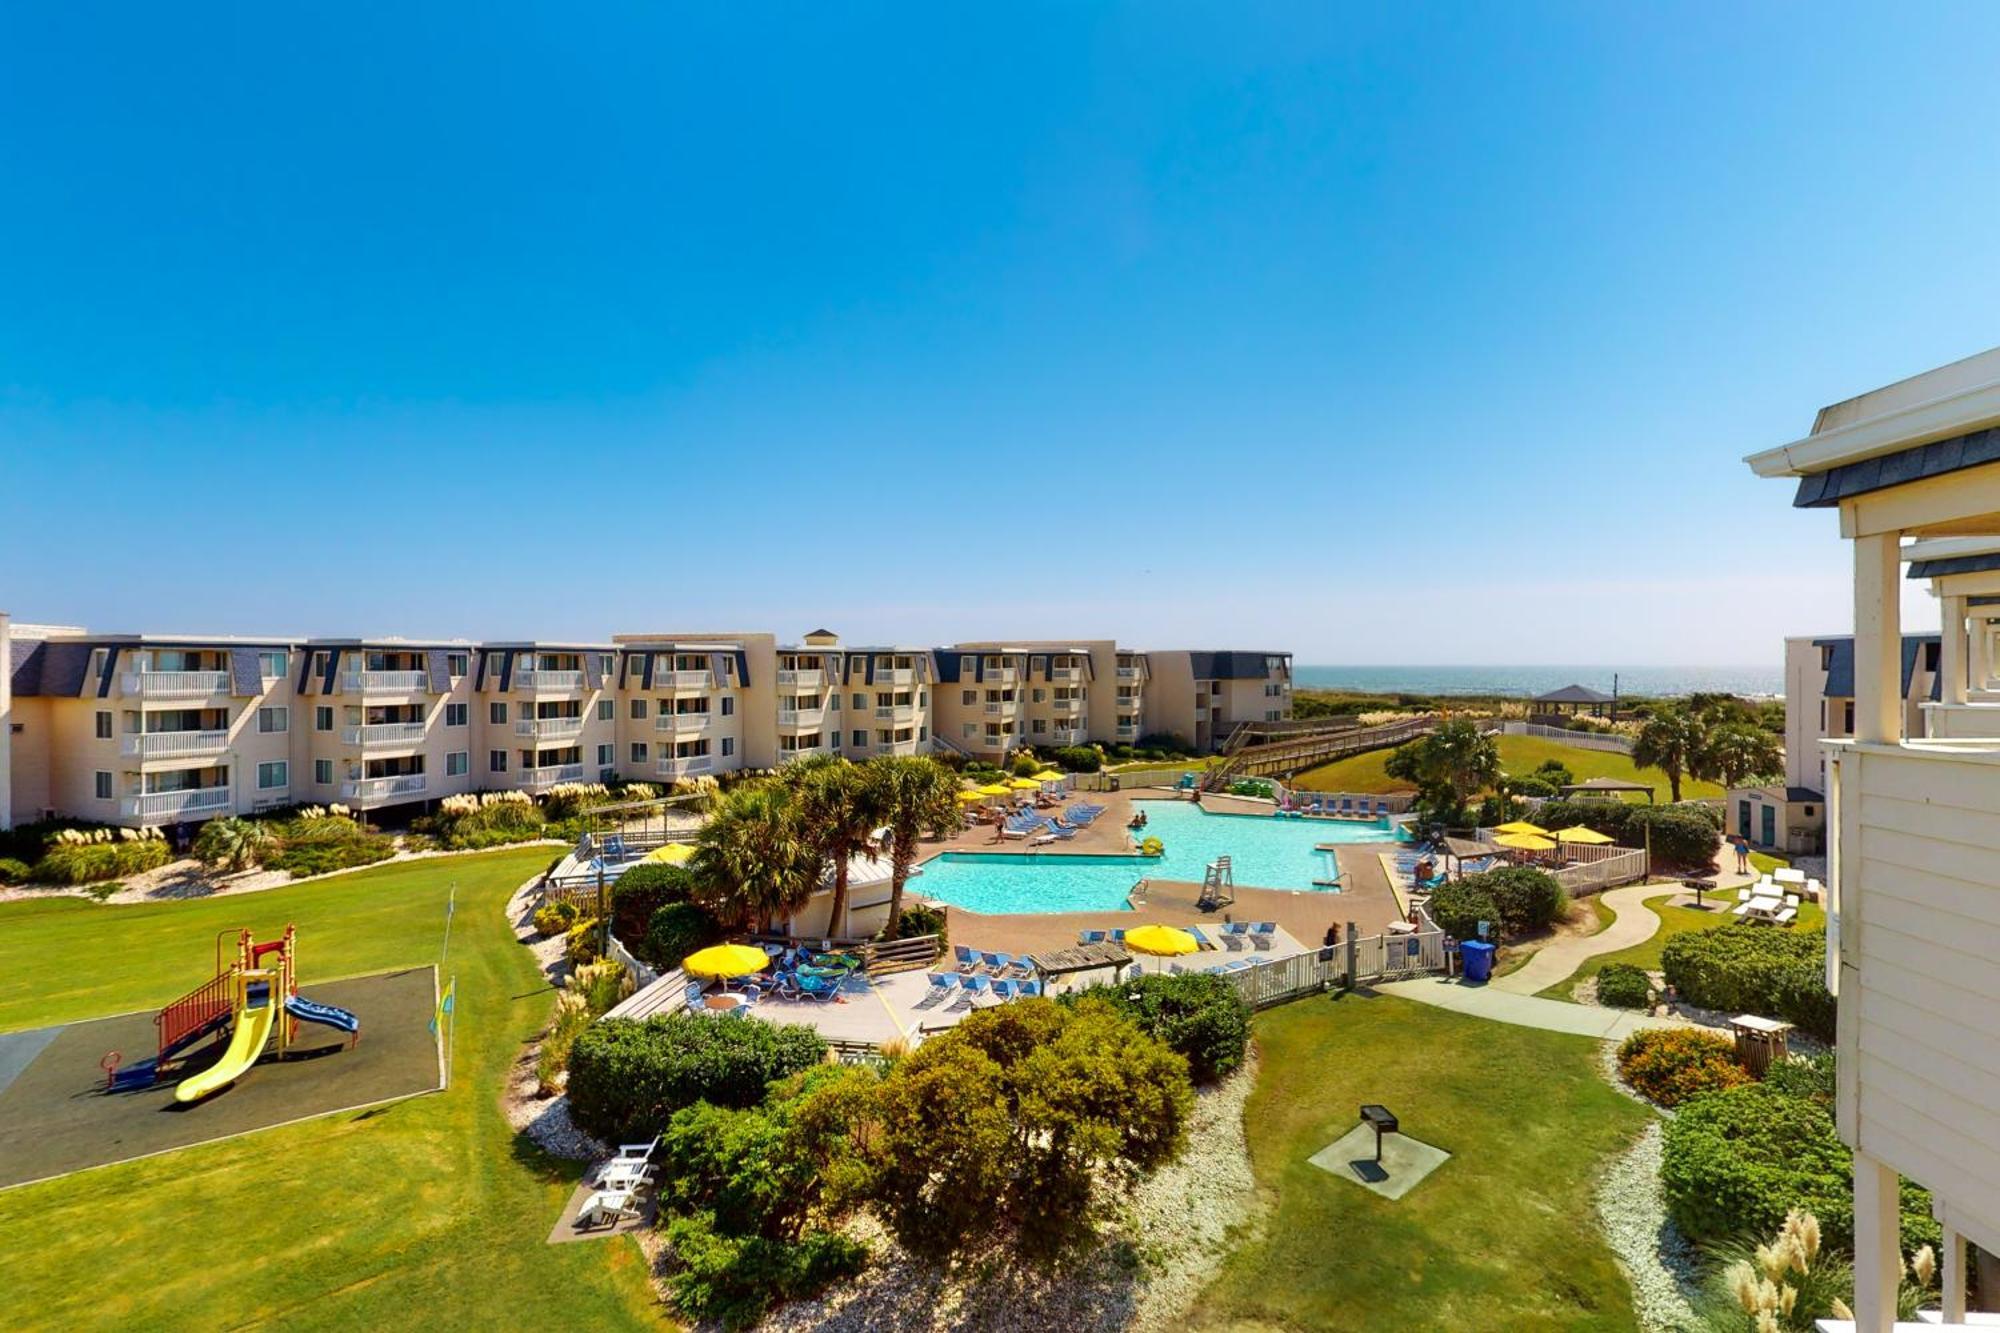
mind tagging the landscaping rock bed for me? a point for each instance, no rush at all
(1661, 1264)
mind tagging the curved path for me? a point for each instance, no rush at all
(1558, 960)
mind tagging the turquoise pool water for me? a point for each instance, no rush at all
(1265, 853)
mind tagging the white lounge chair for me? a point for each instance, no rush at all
(624, 1173)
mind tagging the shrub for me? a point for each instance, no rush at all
(1526, 899)
(626, 1078)
(920, 919)
(233, 844)
(1623, 986)
(1742, 968)
(87, 863)
(1530, 784)
(1679, 835)
(12, 871)
(642, 891)
(1670, 1065)
(555, 918)
(1078, 758)
(733, 1280)
(1459, 907)
(1199, 1017)
(1025, 765)
(581, 942)
(1253, 787)
(677, 930)
(1736, 1161)
(1803, 1076)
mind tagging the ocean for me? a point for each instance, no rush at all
(1526, 681)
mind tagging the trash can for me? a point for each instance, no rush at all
(1478, 956)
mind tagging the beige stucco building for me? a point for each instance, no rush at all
(1913, 921)
(138, 729)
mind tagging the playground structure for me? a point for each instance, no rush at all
(253, 996)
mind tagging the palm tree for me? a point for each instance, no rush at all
(839, 811)
(232, 844)
(1674, 740)
(1737, 751)
(1464, 759)
(914, 795)
(752, 861)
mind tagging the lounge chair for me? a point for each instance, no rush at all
(637, 1152)
(1263, 935)
(624, 1174)
(966, 957)
(614, 848)
(969, 989)
(1118, 936)
(1026, 989)
(1176, 969)
(1062, 832)
(1090, 937)
(609, 1207)
(1231, 940)
(1199, 938)
(1004, 990)
(942, 985)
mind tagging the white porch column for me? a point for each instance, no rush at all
(1953, 672)
(1878, 639)
(6, 724)
(1952, 1284)
(1982, 652)
(1878, 1263)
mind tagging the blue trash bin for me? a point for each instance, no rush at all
(1478, 958)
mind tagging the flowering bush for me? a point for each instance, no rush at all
(1670, 1065)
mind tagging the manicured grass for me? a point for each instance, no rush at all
(1673, 921)
(1764, 863)
(1503, 1235)
(1518, 754)
(425, 1210)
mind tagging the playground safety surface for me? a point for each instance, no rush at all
(55, 1116)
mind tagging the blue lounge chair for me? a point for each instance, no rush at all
(969, 989)
(1062, 831)
(1201, 939)
(1232, 940)
(942, 985)
(966, 957)
(1031, 987)
(1381, 809)
(1118, 936)
(1263, 934)
(693, 994)
(614, 848)
(1004, 990)
(1090, 937)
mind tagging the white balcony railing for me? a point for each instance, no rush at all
(801, 717)
(385, 682)
(550, 774)
(992, 675)
(681, 680)
(1065, 675)
(803, 678)
(896, 712)
(173, 744)
(383, 733)
(171, 804)
(800, 752)
(548, 682)
(993, 742)
(176, 684)
(671, 767)
(997, 707)
(1068, 705)
(682, 724)
(896, 747)
(402, 786)
(549, 728)
(1066, 736)
(1128, 673)
(895, 676)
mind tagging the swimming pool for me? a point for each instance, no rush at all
(1264, 853)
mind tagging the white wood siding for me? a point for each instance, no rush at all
(1921, 919)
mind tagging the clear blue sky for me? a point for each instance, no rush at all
(1318, 327)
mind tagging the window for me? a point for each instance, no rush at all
(860, 701)
(638, 710)
(833, 701)
(1041, 695)
(496, 713)
(728, 746)
(607, 755)
(103, 725)
(274, 719)
(1847, 727)
(457, 764)
(860, 740)
(273, 775)
(323, 718)
(103, 781)
(728, 705)
(604, 665)
(607, 710)
(496, 761)
(968, 729)
(970, 698)
(457, 664)
(323, 771)
(1041, 726)
(319, 664)
(272, 665)
(638, 752)
(455, 715)
(836, 739)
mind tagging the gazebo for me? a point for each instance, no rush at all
(1573, 700)
(1608, 789)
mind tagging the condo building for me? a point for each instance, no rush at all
(152, 730)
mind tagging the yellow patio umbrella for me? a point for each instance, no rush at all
(993, 789)
(1526, 842)
(971, 797)
(1024, 784)
(1164, 940)
(673, 854)
(1050, 775)
(1582, 834)
(1522, 826)
(725, 960)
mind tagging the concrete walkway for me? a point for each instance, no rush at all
(1482, 1001)
(1633, 923)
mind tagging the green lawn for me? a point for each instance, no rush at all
(1673, 921)
(426, 1209)
(1518, 754)
(1503, 1235)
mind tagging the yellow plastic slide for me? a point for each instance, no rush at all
(253, 1029)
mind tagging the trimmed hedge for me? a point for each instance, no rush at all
(1201, 1017)
(1077, 758)
(90, 862)
(1741, 968)
(1525, 898)
(1670, 1065)
(675, 931)
(627, 1078)
(642, 891)
(1459, 907)
(1623, 986)
(1736, 1161)
(1688, 834)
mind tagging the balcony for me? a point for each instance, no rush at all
(403, 787)
(1065, 675)
(802, 717)
(998, 706)
(1128, 731)
(385, 682)
(802, 752)
(549, 728)
(992, 676)
(548, 682)
(1128, 673)
(1068, 705)
(804, 678)
(173, 744)
(682, 680)
(683, 724)
(176, 804)
(176, 684)
(992, 742)
(896, 712)
(383, 734)
(690, 766)
(1066, 736)
(534, 779)
(897, 747)
(892, 676)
